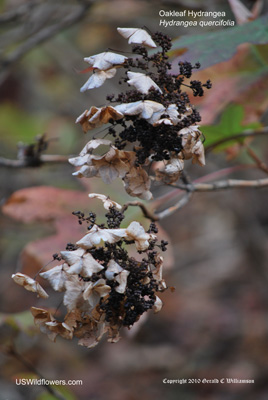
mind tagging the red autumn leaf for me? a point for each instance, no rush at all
(46, 204)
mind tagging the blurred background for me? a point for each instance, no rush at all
(214, 325)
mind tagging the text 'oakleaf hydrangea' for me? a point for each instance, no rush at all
(151, 125)
(103, 287)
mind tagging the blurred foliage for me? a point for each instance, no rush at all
(231, 123)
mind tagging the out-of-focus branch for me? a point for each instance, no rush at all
(224, 184)
(259, 163)
(246, 133)
(33, 162)
(180, 204)
(45, 34)
(18, 12)
(147, 213)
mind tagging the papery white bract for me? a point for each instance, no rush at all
(145, 109)
(142, 82)
(29, 284)
(107, 202)
(106, 60)
(137, 36)
(97, 79)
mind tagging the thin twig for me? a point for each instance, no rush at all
(147, 213)
(225, 184)
(246, 133)
(260, 164)
(181, 203)
(26, 163)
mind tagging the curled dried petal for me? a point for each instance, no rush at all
(29, 284)
(107, 202)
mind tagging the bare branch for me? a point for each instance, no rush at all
(37, 162)
(225, 184)
(260, 164)
(147, 213)
(180, 204)
(45, 34)
(246, 133)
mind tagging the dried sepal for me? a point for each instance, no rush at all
(142, 82)
(41, 318)
(95, 291)
(192, 144)
(137, 183)
(137, 36)
(157, 305)
(106, 60)
(136, 232)
(96, 235)
(56, 276)
(97, 79)
(81, 262)
(107, 202)
(29, 284)
(171, 171)
(96, 117)
(144, 109)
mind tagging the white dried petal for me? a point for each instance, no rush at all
(97, 79)
(145, 109)
(157, 304)
(73, 297)
(106, 60)
(136, 232)
(29, 284)
(142, 82)
(121, 278)
(96, 235)
(137, 36)
(107, 202)
(56, 276)
(94, 291)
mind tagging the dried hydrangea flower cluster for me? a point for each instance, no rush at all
(152, 123)
(104, 288)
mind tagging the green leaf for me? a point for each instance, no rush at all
(214, 47)
(230, 124)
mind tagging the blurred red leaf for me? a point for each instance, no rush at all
(47, 204)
